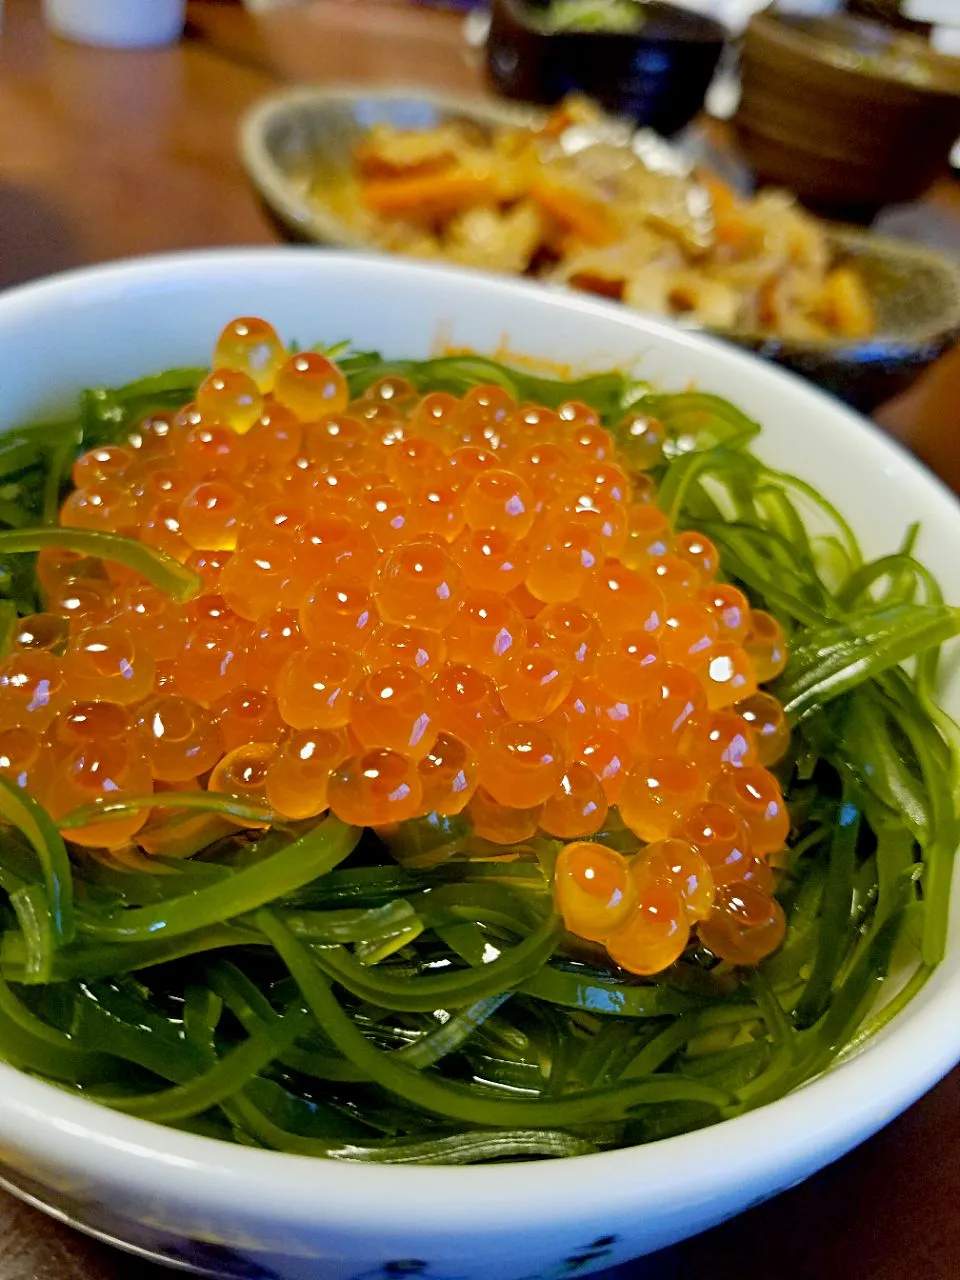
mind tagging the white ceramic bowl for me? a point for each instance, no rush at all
(245, 1213)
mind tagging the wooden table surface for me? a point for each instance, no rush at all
(106, 154)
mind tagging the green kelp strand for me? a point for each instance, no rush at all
(30, 818)
(463, 1102)
(163, 571)
(462, 987)
(203, 801)
(595, 993)
(448, 1037)
(32, 910)
(352, 925)
(87, 962)
(303, 860)
(221, 1081)
(59, 459)
(835, 912)
(825, 662)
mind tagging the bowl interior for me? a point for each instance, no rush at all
(112, 324)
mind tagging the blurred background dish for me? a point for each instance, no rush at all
(299, 150)
(849, 114)
(650, 61)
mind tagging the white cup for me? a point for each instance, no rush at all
(122, 24)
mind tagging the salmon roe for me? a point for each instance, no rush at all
(416, 604)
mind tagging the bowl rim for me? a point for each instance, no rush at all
(318, 224)
(855, 1097)
(713, 31)
(789, 31)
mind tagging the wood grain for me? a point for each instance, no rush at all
(106, 154)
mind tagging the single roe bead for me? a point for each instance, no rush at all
(731, 609)
(230, 397)
(716, 739)
(534, 682)
(248, 714)
(211, 662)
(561, 561)
(419, 585)
(490, 560)
(259, 579)
(678, 863)
(698, 550)
(622, 599)
(106, 662)
(242, 774)
(467, 701)
(423, 651)
(729, 676)
(765, 716)
(720, 835)
(766, 646)
(500, 500)
(755, 794)
(298, 775)
(209, 515)
(608, 756)
(250, 345)
(745, 926)
(648, 537)
(654, 934)
(310, 385)
(179, 737)
(578, 807)
(658, 793)
(500, 823)
(315, 688)
(94, 772)
(19, 751)
(448, 775)
(375, 788)
(571, 631)
(641, 438)
(520, 763)
(47, 631)
(395, 708)
(629, 665)
(339, 610)
(486, 630)
(593, 890)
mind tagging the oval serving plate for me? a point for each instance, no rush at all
(296, 147)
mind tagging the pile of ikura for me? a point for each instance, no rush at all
(416, 604)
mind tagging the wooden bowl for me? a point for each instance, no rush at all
(657, 75)
(849, 114)
(297, 148)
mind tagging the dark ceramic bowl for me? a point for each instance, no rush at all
(849, 114)
(657, 75)
(300, 142)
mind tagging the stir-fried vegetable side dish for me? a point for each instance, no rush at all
(430, 762)
(574, 201)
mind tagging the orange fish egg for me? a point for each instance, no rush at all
(106, 506)
(242, 773)
(654, 934)
(745, 926)
(205, 449)
(448, 775)
(106, 662)
(231, 397)
(298, 775)
(419, 585)
(534, 682)
(602, 516)
(274, 439)
(641, 439)
(250, 345)
(755, 794)
(676, 862)
(520, 762)
(315, 688)
(310, 385)
(414, 461)
(543, 465)
(259, 579)
(160, 528)
(385, 511)
(578, 807)
(765, 716)
(689, 633)
(716, 739)
(46, 631)
(57, 567)
(375, 788)
(622, 599)
(434, 417)
(676, 577)
(699, 551)
(423, 651)
(467, 701)
(728, 676)
(569, 630)
(330, 544)
(337, 439)
(272, 520)
(490, 560)
(500, 823)
(607, 755)
(466, 462)
(339, 610)
(395, 708)
(275, 638)
(211, 662)
(106, 462)
(593, 890)
(209, 565)
(151, 436)
(89, 722)
(658, 793)
(85, 602)
(158, 624)
(19, 752)
(588, 441)
(397, 390)
(628, 666)
(248, 714)
(500, 500)
(486, 630)
(562, 558)
(576, 414)
(435, 510)
(209, 515)
(96, 772)
(765, 646)
(179, 737)
(721, 836)
(731, 609)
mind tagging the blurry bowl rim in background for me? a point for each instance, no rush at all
(161, 1189)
